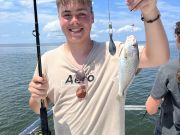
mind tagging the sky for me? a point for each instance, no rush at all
(17, 21)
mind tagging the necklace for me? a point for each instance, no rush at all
(81, 91)
(80, 75)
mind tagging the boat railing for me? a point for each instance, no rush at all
(35, 126)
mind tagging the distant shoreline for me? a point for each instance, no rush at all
(47, 44)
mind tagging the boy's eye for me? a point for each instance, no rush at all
(66, 16)
(82, 14)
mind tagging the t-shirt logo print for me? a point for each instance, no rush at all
(80, 77)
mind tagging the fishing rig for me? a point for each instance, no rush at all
(112, 47)
(43, 112)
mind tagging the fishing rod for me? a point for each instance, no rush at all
(43, 111)
(112, 47)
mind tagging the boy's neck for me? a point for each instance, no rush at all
(78, 52)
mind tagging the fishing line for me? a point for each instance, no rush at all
(109, 15)
(112, 47)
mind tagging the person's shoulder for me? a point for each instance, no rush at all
(170, 66)
(170, 63)
(118, 45)
(100, 45)
(106, 43)
(54, 51)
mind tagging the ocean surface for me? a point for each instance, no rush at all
(17, 63)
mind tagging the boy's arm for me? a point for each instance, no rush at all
(156, 51)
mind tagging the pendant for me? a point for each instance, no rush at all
(80, 75)
(81, 92)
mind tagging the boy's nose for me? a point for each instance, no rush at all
(74, 20)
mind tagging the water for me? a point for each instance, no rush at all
(17, 63)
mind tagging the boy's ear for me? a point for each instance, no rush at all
(92, 17)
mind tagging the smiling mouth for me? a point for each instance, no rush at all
(76, 30)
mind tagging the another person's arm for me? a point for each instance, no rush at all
(159, 90)
(152, 105)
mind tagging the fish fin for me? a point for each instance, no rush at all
(124, 92)
(120, 93)
(125, 53)
(138, 71)
(119, 98)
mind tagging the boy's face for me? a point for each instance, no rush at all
(76, 20)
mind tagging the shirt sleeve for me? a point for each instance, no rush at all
(43, 64)
(159, 88)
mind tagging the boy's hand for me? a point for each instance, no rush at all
(38, 87)
(146, 6)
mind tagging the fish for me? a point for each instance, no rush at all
(128, 64)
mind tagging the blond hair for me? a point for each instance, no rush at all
(84, 2)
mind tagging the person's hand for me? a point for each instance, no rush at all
(38, 88)
(146, 6)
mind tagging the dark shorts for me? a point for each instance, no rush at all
(157, 132)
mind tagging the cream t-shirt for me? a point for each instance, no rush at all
(101, 112)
